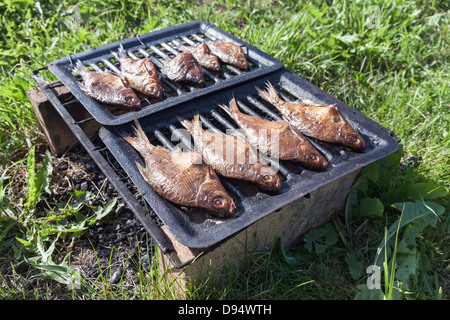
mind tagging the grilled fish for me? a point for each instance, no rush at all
(323, 122)
(184, 68)
(204, 56)
(232, 157)
(277, 139)
(182, 177)
(229, 52)
(107, 88)
(141, 74)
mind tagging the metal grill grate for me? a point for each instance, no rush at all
(195, 228)
(158, 46)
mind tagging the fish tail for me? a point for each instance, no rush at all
(186, 123)
(226, 109)
(232, 110)
(79, 67)
(140, 142)
(121, 52)
(196, 121)
(270, 94)
(233, 106)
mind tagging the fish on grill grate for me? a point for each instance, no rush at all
(107, 87)
(276, 138)
(323, 122)
(229, 52)
(184, 68)
(182, 177)
(141, 74)
(232, 157)
(204, 56)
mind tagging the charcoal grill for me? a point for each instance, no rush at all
(192, 227)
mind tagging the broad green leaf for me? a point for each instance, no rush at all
(318, 240)
(288, 256)
(406, 267)
(347, 38)
(100, 212)
(420, 212)
(427, 191)
(355, 264)
(414, 191)
(370, 207)
(364, 293)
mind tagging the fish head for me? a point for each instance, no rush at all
(314, 160)
(153, 89)
(196, 76)
(241, 61)
(128, 98)
(213, 63)
(213, 198)
(351, 139)
(266, 178)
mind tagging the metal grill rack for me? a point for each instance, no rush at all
(158, 46)
(197, 229)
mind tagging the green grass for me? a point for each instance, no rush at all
(390, 60)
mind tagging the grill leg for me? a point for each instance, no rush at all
(57, 134)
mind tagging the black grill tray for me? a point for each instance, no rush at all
(254, 205)
(158, 45)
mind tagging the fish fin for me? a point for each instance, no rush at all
(333, 106)
(124, 81)
(210, 174)
(149, 71)
(142, 170)
(82, 87)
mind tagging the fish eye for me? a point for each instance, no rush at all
(354, 139)
(218, 202)
(314, 157)
(267, 178)
(129, 99)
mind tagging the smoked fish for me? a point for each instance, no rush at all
(182, 177)
(277, 139)
(184, 68)
(323, 122)
(232, 157)
(141, 74)
(107, 87)
(229, 52)
(204, 56)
